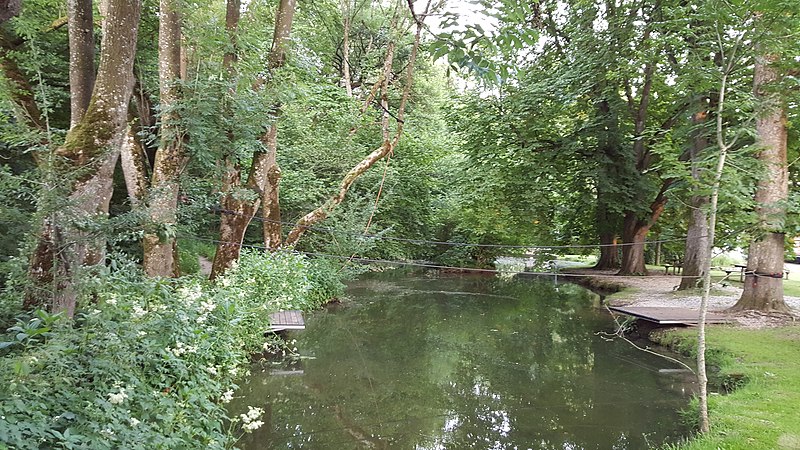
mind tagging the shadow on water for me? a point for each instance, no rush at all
(465, 362)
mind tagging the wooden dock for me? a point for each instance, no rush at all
(669, 316)
(286, 320)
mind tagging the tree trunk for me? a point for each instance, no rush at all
(609, 252)
(270, 194)
(386, 148)
(763, 287)
(270, 197)
(238, 210)
(609, 148)
(634, 233)
(696, 249)
(134, 167)
(346, 19)
(88, 157)
(159, 242)
(9, 9)
(81, 57)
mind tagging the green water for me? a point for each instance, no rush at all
(464, 362)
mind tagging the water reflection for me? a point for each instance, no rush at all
(465, 362)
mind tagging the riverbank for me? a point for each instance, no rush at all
(760, 351)
(659, 290)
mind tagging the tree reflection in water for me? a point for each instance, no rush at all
(466, 362)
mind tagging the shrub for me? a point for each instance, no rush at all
(152, 362)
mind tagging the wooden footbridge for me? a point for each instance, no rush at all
(669, 315)
(286, 320)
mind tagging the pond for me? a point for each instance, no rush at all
(441, 362)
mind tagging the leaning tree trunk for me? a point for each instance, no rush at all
(385, 149)
(696, 248)
(85, 164)
(763, 286)
(159, 243)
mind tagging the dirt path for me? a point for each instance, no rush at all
(660, 290)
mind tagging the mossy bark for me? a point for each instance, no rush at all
(84, 166)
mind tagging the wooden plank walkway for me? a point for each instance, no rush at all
(286, 320)
(669, 316)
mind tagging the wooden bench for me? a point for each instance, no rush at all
(676, 265)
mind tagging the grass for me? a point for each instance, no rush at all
(762, 413)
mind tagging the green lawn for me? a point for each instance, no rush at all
(764, 413)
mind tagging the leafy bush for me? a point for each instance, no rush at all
(152, 362)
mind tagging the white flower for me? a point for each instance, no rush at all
(134, 421)
(207, 306)
(227, 396)
(142, 333)
(226, 282)
(250, 427)
(212, 370)
(250, 420)
(267, 346)
(138, 312)
(190, 294)
(112, 300)
(117, 398)
(108, 432)
(181, 348)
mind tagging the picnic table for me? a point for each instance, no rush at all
(676, 265)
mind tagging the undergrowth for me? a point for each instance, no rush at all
(148, 363)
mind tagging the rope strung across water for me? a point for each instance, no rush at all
(448, 243)
(429, 265)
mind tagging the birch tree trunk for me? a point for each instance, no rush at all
(162, 200)
(86, 162)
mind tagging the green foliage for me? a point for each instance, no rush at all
(152, 362)
(283, 279)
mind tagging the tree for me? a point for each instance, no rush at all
(85, 163)
(241, 203)
(389, 142)
(763, 288)
(81, 44)
(162, 200)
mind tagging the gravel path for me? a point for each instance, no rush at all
(659, 290)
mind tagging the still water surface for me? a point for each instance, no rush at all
(438, 362)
